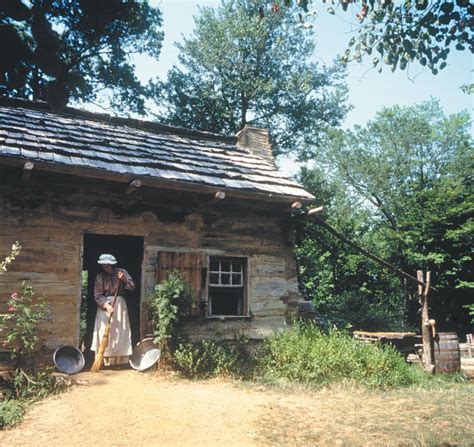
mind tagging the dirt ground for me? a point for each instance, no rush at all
(129, 408)
(126, 408)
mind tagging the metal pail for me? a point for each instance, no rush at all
(144, 355)
(68, 359)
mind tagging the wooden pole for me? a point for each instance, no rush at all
(217, 197)
(296, 205)
(133, 186)
(428, 360)
(382, 262)
(27, 168)
(314, 211)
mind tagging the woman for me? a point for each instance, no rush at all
(108, 283)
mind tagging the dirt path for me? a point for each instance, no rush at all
(128, 408)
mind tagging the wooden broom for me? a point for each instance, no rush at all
(99, 358)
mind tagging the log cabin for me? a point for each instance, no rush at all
(77, 184)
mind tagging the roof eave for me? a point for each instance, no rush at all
(154, 182)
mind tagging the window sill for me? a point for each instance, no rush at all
(228, 317)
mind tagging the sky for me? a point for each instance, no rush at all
(369, 91)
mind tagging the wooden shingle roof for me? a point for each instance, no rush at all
(134, 149)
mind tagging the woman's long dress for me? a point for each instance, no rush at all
(119, 348)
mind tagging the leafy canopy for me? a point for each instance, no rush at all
(238, 68)
(60, 50)
(404, 190)
(399, 32)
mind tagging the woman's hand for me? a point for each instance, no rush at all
(109, 310)
(121, 276)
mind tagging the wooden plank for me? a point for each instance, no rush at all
(188, 264)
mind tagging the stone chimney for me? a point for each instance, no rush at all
(256, 141)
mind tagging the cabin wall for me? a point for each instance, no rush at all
(50, 213)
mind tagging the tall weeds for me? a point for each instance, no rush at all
(305, 354)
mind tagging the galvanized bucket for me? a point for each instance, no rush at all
(144, 355)
(68, 359)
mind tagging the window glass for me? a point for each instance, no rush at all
(225, 278)
(214, 266)
(226, 287)
(225, 266)
(237, 280)
(214, 278)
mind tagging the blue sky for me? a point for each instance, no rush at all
(369, 90)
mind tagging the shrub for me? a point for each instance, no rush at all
(14, 252)
(172, 299)
(32, 387)
(208, 358)
(11, 412)
(25, 310)
(305, 354)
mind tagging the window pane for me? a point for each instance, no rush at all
(225, 278)
(236, 267)
(214, 278)
(237, 279)
(225, 266)
(214, 266)
(226, 301)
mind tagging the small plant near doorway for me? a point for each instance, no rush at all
(25, 309)
(27, 383)
(171, 300)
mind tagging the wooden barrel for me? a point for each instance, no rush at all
(446, 352)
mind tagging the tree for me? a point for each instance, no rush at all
(403, 31)
(62, 49)
(346, 287)
(240, 68)
(409, 174)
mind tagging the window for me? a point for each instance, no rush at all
(227, 278)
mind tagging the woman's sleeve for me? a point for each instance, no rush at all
(99, 292)
(129, 284)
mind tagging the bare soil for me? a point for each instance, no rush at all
(129, 408)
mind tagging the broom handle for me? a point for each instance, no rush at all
(115, 299)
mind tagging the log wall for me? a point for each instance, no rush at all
(50, 214)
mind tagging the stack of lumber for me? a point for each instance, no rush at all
(467, 356)
(404, 342)
(467, 366)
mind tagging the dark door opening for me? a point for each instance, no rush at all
(128, 250)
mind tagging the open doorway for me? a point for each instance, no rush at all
(128, 250)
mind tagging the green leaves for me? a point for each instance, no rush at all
(56, 51)
(25, 311)
(238, 69)
(171, 300)
(305, 354)
(402, 187)
(15, 251)
(409, 26)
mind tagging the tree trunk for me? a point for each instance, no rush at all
(428, 362)
(35, 84)
(243, 109)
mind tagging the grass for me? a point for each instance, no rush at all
(305, 354)
(350, 415)
(11, 412)
(20, 390)
(329, 389)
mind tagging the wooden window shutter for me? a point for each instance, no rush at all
(190, 267)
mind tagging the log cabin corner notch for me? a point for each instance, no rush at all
(213, 206)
